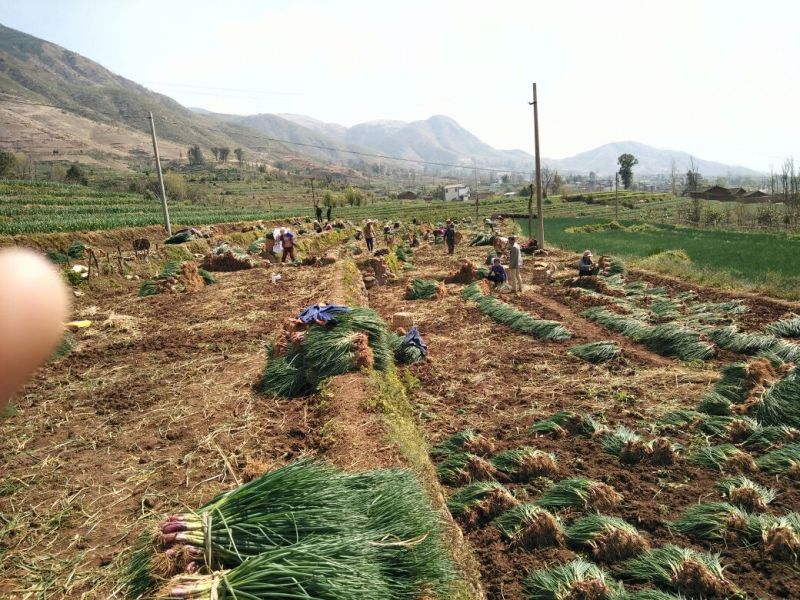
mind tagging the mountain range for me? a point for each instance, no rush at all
(57, 103)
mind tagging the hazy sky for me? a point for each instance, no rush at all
(720, 79)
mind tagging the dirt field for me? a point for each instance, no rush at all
(154, 412)
(484, 376)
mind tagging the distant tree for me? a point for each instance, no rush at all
(223, 153)
(57, 172)
(76, 175)
(626, 163)
(438, 193)
(215, 152)
(195, 155)
(693, 182)
(8, 164)
(328, 198)
(592, 179)
(556, 184)
(240, 156)
(673, 176)
(353, 196)
(547, 179)
(505, 179)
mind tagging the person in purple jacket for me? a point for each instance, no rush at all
(497, 273)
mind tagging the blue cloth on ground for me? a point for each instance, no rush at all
(413, 338)
(325, 313)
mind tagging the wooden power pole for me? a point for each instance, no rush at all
(616, 196)
(164, 207)
(540, 212)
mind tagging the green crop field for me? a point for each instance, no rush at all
(765, 261)
(43, 207)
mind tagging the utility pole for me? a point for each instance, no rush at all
(164, 208)
(616, 196)
(540, 215)
(476, 191)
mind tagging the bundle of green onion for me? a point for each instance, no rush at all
(596, 352)
(530, 526)
(695, 574)
(329, 567)
(713, 521)
(583, 494)
(525, 463)
(746, 493)
(576, 579)
(610, 539)
(463, 441)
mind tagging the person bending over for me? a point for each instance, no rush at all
(586, 266)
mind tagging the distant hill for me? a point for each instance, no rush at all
(54, 100)
(436, 139)
(652, 161)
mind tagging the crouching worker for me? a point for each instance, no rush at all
(497, 274)
(587, 267)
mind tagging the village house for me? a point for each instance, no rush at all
(456, 192)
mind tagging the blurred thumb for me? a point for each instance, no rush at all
(34, 304)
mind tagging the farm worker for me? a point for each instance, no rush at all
(587, 268)
(328, 226)
(287, 239)
(369, 234)
(318, 210)
(34, 304)
(497, 274)
(515, 264)
(450, 237)
(317, 227)
(328, 213)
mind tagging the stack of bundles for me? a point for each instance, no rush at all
(177, 276)
(425, 289)
(347, 341)
(408, 349)
(467, 273)
(403, 253)
(482, 239)
(302, 529)
(616, 267)
(228, 258)
(766, 391)
(516, 319)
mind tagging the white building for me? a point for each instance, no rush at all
(456, 192)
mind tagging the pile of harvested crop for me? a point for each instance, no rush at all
(301, 357)
(467, 273)
(303, 528)
(176, 277)
(425, 289)
(228, 258)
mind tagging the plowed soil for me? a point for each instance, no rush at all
(484, 376)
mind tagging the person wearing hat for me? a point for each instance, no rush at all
(586, 267)
(369, 234)
(515, 264)
(450, 237)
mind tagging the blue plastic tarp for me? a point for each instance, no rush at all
(324, 313)
(413, 338)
